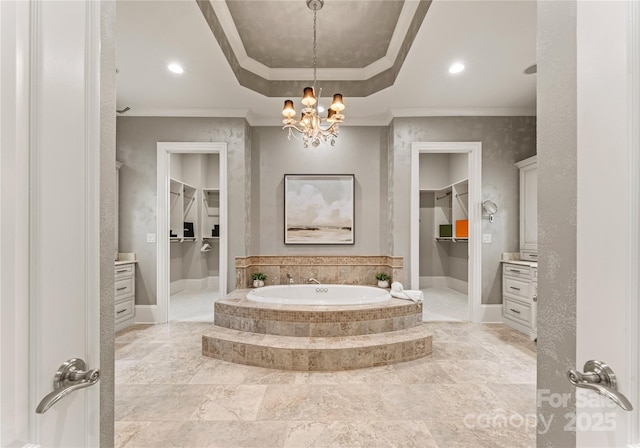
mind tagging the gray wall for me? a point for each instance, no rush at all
(378, 156)
(433, 171)
(458, 167)
(433, 258)
(505, 140)
(137, 139)
(360, 151)
(557, 211)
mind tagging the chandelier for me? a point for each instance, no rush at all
(311, 126)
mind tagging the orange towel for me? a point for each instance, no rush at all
(462, 228)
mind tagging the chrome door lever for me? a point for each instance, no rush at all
(600, 378)
(71, 376)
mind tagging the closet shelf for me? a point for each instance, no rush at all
(182, 240)
(448, 239)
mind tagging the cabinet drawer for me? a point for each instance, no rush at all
(124, 287)
(517, 310)
(529, 256)
(124, 270)
(124, 310)
(515, 270)
(517, 287)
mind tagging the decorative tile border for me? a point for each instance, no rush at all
(344, 270)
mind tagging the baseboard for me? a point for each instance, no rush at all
(147, 314)
(444, 282)
(176, 286)
(194, 284)
(213, 282)
(458, 285)
(433, 282)
(490, 314)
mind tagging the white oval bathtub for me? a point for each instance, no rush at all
(319, 295)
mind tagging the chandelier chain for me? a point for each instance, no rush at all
(315, 50)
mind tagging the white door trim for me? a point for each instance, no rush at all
(18, 380)
(474, 149)
(633, 348)
(164, 150)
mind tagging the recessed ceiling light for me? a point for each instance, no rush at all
(456, 68)
(175, 68)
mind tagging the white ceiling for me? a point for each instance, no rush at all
(494, 39)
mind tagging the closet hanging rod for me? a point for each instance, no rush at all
(461, 194)
(177, 194)
(442, 197)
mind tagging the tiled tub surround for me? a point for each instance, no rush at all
(341, 270)
(316, 338)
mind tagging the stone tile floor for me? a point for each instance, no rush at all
(476, 390)
(193, 306)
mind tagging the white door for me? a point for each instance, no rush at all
(49, 226)
(607, 218)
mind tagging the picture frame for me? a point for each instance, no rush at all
(319, 209)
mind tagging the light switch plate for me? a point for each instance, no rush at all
(486, 238)
(151, 237)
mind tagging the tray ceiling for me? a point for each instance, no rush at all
(496, 40)
(361, 44)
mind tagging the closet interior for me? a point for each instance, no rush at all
(194, 223)
(444, 235)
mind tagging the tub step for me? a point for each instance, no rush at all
(237, 313)
(316, 353)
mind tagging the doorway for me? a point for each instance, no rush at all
(446, 253)
(192, 231)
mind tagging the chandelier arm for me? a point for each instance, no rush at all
(293, 126)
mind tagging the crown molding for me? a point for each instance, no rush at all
(185, 112)
(383, 119)
(463, 112)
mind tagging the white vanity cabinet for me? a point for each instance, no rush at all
(124, 294)
(520, 297)
(528, 209)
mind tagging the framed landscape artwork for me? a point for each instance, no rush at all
(319, 209)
